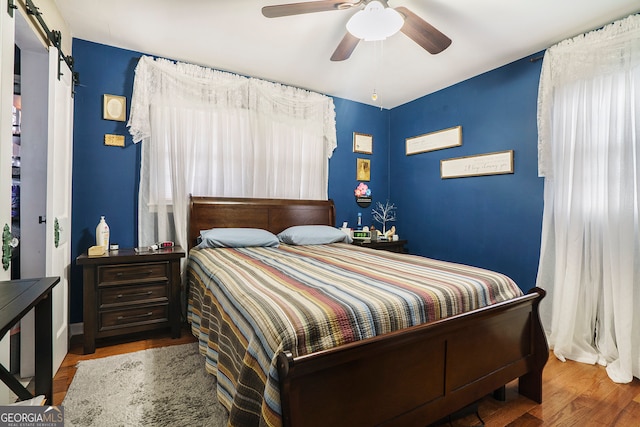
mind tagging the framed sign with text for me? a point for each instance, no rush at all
(439, 140)
(482, 164)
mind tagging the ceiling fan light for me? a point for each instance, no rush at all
(375, 22)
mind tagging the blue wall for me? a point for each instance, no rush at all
(105, 179)
(488, 221)
(355, 117)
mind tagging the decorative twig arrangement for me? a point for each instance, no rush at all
(384, 213)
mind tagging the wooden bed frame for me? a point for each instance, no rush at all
(414, 376)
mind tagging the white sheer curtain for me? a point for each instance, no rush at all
(589, 154)
(212, 133)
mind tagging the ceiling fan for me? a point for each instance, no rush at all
(399, 19)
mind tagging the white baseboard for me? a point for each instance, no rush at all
(76, 329)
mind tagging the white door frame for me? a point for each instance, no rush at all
(59, 162)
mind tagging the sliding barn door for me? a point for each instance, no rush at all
(6, 148)
(59, 163)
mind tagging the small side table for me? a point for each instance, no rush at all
(126, 292)
(384, 245)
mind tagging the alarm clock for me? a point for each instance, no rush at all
(361, 235)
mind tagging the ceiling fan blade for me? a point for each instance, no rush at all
(279, 10)
(345, 48)
(423, 33)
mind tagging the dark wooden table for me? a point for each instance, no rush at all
(385, 245)
(127, 292)
(17, 298)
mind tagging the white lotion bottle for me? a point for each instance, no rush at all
(102, 234)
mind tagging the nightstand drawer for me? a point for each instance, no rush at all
(116, 274)
(133, 317)
(127, 295)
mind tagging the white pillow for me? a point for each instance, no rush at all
(313, 235)
(237, 238)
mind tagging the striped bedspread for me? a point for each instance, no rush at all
(248, 304)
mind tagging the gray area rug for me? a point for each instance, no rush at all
(165, 386)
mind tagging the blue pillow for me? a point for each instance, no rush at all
(313, 235)
(237, 238)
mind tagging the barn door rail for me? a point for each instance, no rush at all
(53, 37)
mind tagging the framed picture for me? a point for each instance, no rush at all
(363, 169)
(114, 107)
(483, 164)
(439, 140)
(362, 143)
(114, 140)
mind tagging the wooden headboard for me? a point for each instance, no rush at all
(274, 215)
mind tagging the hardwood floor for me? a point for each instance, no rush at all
(574, 394)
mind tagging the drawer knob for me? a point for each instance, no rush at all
(138, 294)
(137, 316)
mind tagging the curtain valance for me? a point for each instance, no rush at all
(163, 82)
(613, 49)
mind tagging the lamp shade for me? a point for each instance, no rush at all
(375, 22)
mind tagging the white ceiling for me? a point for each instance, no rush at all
(233, 35)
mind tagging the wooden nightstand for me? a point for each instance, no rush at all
(384, 245)
(127, 292)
